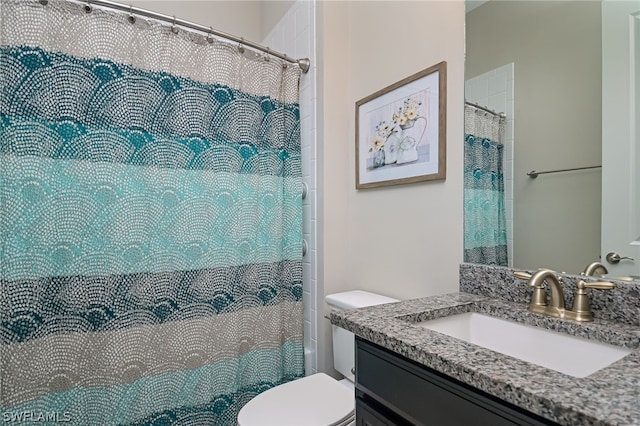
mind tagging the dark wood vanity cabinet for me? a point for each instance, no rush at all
(393, 390)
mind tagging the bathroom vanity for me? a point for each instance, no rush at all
(409, 374)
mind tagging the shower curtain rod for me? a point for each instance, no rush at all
(485, 109)
(303, 63)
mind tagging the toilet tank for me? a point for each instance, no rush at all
(343, 340)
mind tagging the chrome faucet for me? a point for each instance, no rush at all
(595, 268)
(581, 310)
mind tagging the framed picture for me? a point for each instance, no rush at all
(401, 131)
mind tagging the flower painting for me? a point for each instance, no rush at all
(400, 144)
(400, 134)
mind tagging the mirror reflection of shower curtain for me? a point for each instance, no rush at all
(485, 233)
(150, 220)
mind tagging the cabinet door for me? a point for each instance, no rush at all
(368, 416)
(424, 397)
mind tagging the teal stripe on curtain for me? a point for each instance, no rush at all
(63, 217)
(480, 204)
(150, 220)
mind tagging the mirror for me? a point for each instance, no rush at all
(540, 63)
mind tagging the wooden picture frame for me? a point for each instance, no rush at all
(401, 131)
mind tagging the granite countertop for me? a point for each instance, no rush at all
(610, 396)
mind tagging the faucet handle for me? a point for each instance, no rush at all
(581, 307)
(600, 285)
(521, 275)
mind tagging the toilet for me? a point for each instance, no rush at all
(316, 400)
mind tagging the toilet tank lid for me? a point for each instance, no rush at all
(356, 299)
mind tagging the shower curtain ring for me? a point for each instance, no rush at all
(131, 18)
(266, 55)
(285, 64)
(240, 45)
(174, 29)
(210, 35)
(87, 7)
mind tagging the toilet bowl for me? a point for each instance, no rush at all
(313, 400)
(316, 400)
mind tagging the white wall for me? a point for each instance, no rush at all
(252, 19)
(272, 15)
(240, 18)
(403, 241)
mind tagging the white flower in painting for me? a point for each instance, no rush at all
(377, 144)
(404, 117)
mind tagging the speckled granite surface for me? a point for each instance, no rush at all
(610, 396)
(622, 304)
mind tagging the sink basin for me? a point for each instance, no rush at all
(570, 355)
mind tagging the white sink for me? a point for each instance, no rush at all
(560, 352)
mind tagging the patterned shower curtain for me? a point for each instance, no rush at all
(150, 220)
(485, 234)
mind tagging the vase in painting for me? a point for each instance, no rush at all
(378, 158)
(391, 149)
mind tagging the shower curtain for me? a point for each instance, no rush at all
(485, 234)
(150, 220)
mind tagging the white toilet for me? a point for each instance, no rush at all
(316, 400)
